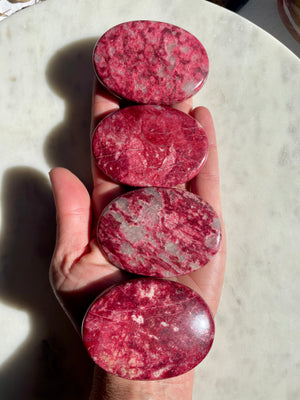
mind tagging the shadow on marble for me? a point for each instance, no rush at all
(51, 362)
(70, 75)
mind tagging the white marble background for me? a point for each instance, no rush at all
(253, 92)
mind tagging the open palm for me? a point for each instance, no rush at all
(79, 271)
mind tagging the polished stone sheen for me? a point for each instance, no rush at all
(150, 62)
(149, 145)
(148, 329)
(159, 232)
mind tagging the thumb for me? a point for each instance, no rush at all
(73, 214)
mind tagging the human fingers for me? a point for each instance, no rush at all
(103, 103)
(185, 106)
(73, 214)
(206, 183)
(208, 281)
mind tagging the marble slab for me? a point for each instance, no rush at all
(253, 91)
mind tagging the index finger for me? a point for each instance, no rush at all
(207, 183)
(208, 281)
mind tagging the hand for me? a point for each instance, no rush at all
(79, 271)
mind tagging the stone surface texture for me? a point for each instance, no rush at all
(148, 145)
(151, 62)
(159, 232)
(148, 329)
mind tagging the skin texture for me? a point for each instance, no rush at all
(79, 271)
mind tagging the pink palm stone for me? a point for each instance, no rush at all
(150, 62)
(148, 145)
(160, 232)
(148, 329)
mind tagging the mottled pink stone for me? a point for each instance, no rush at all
(148, 329)
(150, 62)
(159, 232)
(149, 145)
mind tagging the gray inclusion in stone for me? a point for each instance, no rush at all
(216, 224)
(133, 233)
(127, 249)
(171, 248)
(212, 241)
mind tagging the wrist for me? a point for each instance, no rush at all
(109, 387)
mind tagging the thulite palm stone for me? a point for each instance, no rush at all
(148, 329)
(150, 62)
(159, 232)
(149, 145)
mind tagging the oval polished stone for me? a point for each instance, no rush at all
(150, 62)
(148, 329)
(148, 145)
(159, 232)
